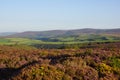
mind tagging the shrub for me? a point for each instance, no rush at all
(86, 73)
(114, 62)
(66, 77)
(88, 52)
(104, 69)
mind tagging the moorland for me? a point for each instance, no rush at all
(83, 54)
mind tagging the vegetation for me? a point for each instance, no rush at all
(60, 37)
(92, 61)
(60, 40)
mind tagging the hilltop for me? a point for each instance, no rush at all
(61, 33)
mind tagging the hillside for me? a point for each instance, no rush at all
(55, 33)
(7, 33)
(79, 35)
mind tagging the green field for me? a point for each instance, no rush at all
(85, 38)
(12, 41)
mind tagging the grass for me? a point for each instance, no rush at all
(12, 41)
(85, 38)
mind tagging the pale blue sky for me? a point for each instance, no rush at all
(38, 15)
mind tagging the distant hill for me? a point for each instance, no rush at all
(59, 33)
(7, 33)
(78, 35)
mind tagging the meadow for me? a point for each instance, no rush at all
(71, 39)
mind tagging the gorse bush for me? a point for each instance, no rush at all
(104, 69)
(114, 62)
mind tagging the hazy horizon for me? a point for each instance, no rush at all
(55, 29)
(39, 15)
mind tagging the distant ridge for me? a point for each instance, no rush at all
(7, 33)
(55, 33)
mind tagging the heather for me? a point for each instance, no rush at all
(95, 61)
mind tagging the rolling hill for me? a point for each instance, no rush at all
(61, 37)
(7, 33)
(56, 33)
(71, 35)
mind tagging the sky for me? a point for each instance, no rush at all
(41, 15)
